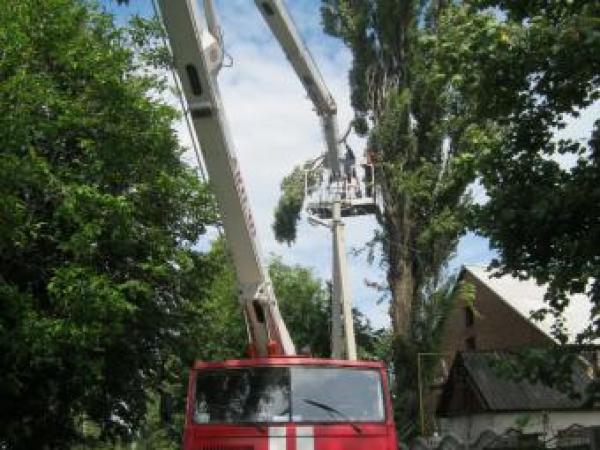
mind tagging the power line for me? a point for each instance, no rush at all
(179, 94)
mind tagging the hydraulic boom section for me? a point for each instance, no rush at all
(282, 26)
(275, 13)
(198, 55)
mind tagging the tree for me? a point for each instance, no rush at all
(420, 135)
(407, 109)
(289, 207)
(536, 66)
(306, 308)
(304, 304)
(98, 218)
(216, 329)
(543, 217)
(211, 328)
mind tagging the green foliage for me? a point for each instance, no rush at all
(434, 311)
(146, 36)
(467, 293)
(425, 138)
(287, 211)
(304, 304)
(426, 339)
(527, 74)
(152, 434)
(543, 218)
(289, 207)
(406, 101)
(216, 326)
(98, 216)
(371, 343)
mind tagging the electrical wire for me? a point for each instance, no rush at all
(183, 105)
(182, 102)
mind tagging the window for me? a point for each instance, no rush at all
(284, 394)
(336, 395)
(257, 394)
(469, 316)
(470, 343)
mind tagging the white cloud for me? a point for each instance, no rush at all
(274, 127)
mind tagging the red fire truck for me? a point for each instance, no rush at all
(289, 403)
(275, 400)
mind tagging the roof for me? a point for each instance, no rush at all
(476, 386)
(526, 297)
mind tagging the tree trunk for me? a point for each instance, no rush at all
(402, 285)
(401, 274)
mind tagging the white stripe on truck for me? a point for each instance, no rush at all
(305, 438)
(277, 438)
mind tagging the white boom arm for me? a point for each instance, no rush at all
(282, 26)
(198, 56)
(343, 342)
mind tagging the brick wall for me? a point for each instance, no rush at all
(496, 326)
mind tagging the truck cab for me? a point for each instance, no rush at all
(289, 403)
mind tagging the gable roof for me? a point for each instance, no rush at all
(526, 297)
(475, 386)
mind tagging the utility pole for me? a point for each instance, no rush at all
(342, 327)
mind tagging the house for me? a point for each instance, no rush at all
(500, 315)
(493, 322)
(476, 399)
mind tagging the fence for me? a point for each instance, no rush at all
(573, 438)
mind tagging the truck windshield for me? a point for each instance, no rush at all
(288, 394)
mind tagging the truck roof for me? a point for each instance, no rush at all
(287, 361)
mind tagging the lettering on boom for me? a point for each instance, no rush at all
(239, 187)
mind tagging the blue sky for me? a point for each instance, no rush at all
(274, 128)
